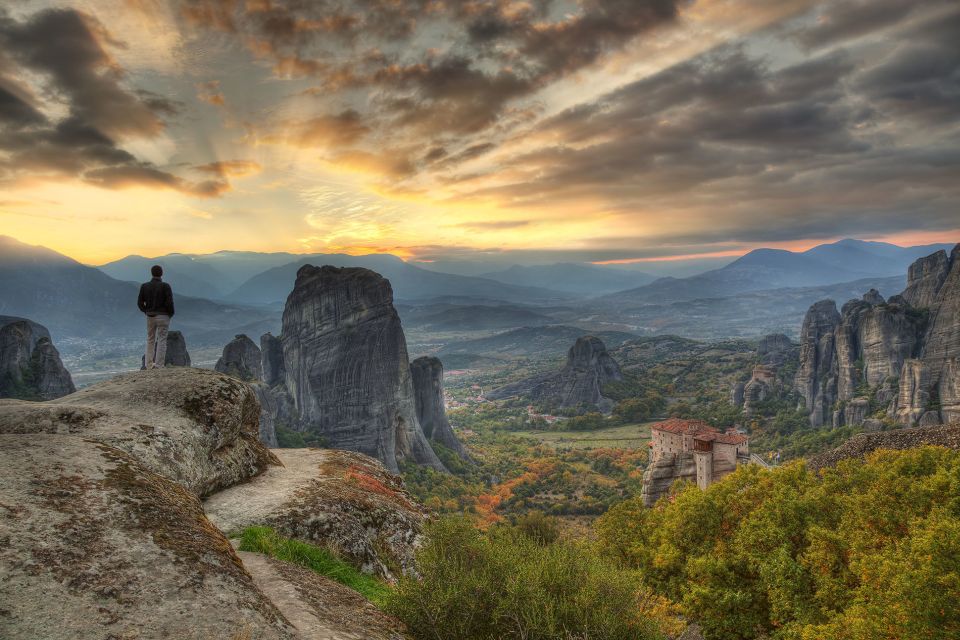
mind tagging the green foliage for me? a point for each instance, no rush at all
(587, 422)
(289, 439)
(503, 584)
(539, 527)
(266, 540)
(869, 550)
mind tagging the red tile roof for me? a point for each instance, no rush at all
(699, 429)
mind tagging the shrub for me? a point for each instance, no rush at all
(503, 584)
(267, 541)
(539, 527)
(869, 550)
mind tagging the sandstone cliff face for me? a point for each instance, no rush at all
(578, 384)
(30, 366)
(271, 352)
(816, 376)
(347, 368)
(899, 355)
(241, 359)
(427, 375)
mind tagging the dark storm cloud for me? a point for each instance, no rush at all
(491, 53)
(809, 150)
(920, 79)
(842, 20)
(65, 48)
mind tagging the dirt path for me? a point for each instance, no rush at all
(244, 505)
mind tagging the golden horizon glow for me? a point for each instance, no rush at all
(253, 141)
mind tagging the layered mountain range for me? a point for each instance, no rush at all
(900, 355)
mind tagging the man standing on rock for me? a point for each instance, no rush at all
(156, 301)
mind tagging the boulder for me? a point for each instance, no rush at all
(578, 384)
(193, 426)
(346, 366)
(177, 355)
(30, 366)
(241, 359)
(98, 546)
(427, 375)
(340, 499)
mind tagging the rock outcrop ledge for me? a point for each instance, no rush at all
(102, 519)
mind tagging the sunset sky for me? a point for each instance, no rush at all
(601, 130)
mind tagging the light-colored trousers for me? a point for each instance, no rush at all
(156, 353)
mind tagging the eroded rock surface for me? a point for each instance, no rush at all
(98, 546)
(194, 426)
(897, 356)
(863, 443)
(177, 354)
(241, 359)
(431, 410)
(30, 366)
(346, 366)
(578, 384)
(340, 499)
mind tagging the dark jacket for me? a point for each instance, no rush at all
(156, 298)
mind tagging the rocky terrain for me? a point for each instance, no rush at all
(101, 492)
(773, 352)
(427, 375)
(370, 519)
(896, 358)
(340, 370)
(241, 359)
(863, 443)
(30, 366)
(578, 384)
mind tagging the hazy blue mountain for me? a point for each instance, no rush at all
(546, 341)
(409, 282)
(473, 317)
(186, 274)
(204, 274)
(764, 269)
(586, 279)
(74, 300)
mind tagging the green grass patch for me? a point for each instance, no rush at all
(267, 541)
(630, 436)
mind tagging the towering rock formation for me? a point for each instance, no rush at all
(241, 359)
(773, 351)
(427, 375)
(177, 355)
(30, 366)
(816, 377)
(899, 355)
(346, 365)
(271, 350)
(578, 384)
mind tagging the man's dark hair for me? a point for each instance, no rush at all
(156, 271)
